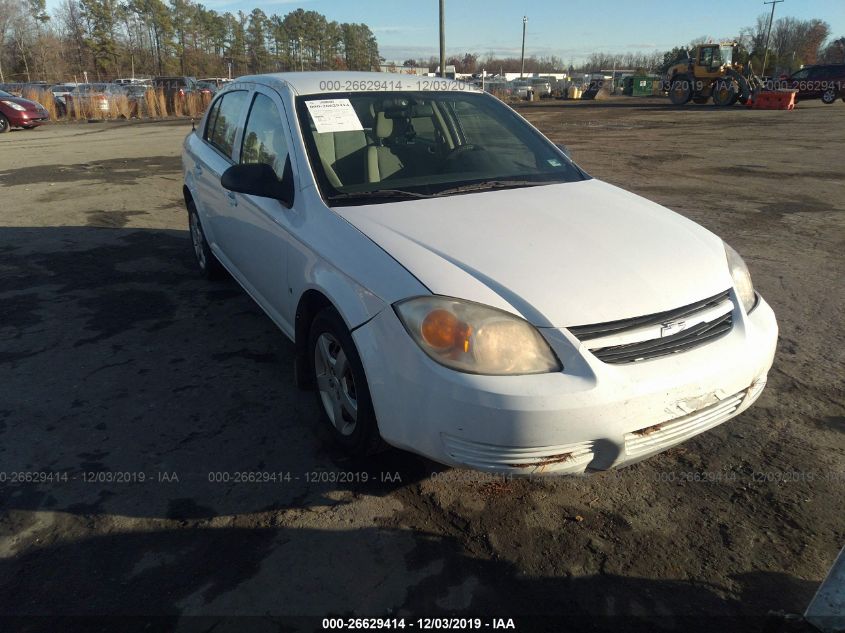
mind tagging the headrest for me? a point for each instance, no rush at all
(404, 109)
(384, 126)
(419, 110)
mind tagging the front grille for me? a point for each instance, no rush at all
(653, 342)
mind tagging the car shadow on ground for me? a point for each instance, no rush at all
(209, 579)
(139, 388)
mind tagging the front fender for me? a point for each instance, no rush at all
(356, 304)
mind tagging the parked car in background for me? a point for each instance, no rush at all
(207, 88)
(60, 93)
(542, 87)
(218, 82)
(522, 89)
(130, 81)
(176, 89)
(137, 95)
(455, 285)
(19, 112)
(498, 87)
(822, 81)
(88, 99)
(14, 89)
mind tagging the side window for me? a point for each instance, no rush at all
(212, 118)
(264, 137)
(223, 121)
(801, 74)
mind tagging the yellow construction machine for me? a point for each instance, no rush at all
(711, 71)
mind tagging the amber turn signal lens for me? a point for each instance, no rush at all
(443, 331)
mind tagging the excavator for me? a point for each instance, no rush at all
(710, 72)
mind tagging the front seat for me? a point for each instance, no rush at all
(381, 161)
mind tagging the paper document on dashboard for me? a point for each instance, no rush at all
(333, 115)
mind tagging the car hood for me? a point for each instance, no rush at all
(31, 106)
(560, 255)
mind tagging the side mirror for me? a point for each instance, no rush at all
(259, 179)
(564, 149)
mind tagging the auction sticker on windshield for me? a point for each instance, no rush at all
(334, 115)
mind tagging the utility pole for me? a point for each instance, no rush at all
(522, 68)
(768, 33)
(443, 38)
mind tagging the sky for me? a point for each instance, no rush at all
(568, 29)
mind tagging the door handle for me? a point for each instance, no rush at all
(233, 201)
(198, 169)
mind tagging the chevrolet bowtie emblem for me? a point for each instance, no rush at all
(672, 327)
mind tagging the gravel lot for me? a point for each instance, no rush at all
(117, 361)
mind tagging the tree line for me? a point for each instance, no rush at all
(121, 38)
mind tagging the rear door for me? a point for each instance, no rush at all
(260, 227)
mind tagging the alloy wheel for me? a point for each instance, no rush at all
(196, 240)
(336, 383)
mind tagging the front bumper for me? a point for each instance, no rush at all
(27, 119)
(591, 416)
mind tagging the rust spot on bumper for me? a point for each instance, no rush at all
(649, 430)
(552, 459)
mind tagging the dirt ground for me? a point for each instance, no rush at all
(131, 384)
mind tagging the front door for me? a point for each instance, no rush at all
(261, 225)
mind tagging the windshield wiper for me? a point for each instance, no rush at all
(394, 194)
(493, 184)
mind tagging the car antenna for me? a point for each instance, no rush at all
(193, 125)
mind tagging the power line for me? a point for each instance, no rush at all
(442, 38)
(522, 68)
(768, 33)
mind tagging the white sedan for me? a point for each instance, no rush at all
(456, 286)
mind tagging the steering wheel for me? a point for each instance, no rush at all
(460, 150)
(463, 157)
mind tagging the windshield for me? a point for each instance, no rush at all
(3, 93)
(377, 146)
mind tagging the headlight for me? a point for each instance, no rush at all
(741, 278)
(13, 105)
(474, 338)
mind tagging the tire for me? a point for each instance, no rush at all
(4, 124)
(829, 96)
(680, 90)
(725, 93)
(342, 392)
(208, 264)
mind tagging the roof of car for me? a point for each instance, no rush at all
(307, 83)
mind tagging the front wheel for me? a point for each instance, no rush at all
(4, 124)
(680, 90)
(829, 96)
(725, 93)
(342, 390)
